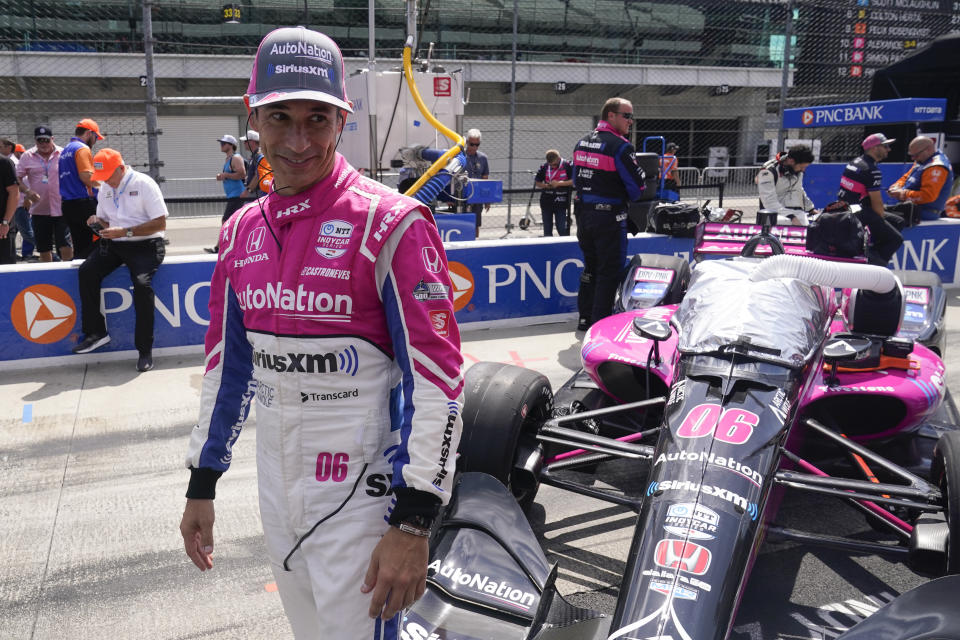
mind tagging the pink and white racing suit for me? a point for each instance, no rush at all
(332, 309)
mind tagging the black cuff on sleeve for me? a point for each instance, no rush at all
(203, 484)
(412, 503)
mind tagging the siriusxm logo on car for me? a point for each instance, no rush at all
(706, 489)
(691, 520)
(276, 296)
(346, 361)
(502, 591)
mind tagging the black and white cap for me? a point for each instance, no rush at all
(295, 63)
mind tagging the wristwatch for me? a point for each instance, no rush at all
(5, 223)
(129, 233)
(415, 524)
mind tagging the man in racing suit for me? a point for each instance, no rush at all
(606, 177)
(861, 184)
(780, 184)
(330, 307)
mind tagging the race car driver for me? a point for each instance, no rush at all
(330, 308)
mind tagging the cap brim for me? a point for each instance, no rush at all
(103, 174)
(99, 137)
(270, 97)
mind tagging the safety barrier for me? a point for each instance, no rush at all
(518, 282)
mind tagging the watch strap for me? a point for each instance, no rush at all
(417, 531)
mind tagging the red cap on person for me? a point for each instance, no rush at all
(875, 139)
(88, 123)
(105, 163)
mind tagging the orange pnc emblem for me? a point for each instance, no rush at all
(462, 281)
(43, 313)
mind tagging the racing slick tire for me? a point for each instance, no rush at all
(503, 406)
(945, 472)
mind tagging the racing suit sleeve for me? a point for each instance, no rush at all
(767, 188)
(931, 183)
(630, 172)
(227, 390)
(426, 343)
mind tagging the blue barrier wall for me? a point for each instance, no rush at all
(822, 181)
(494, 282)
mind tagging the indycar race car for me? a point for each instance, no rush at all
(725, 388)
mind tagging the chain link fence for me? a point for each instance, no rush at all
(704, 74)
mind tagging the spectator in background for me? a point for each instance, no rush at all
(259, 173)
(18, 150)
(606, 176)
(555, 177)
(9, 195)
(923, 189)
(780, 183)
(668, 172)
(133, 216)
(861, 184)
(232, 176)
(478, 168)
(77, 187)
(21, 219)
(39, 177)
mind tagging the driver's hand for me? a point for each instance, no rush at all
(397, 573)
(196, 527)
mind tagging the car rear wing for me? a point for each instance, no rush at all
(719, 239)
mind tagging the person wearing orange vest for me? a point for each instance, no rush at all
(668, 171)
(928, 182)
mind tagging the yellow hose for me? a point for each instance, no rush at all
(459, 141)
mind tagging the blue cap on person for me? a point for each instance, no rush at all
(875, 139)
(296, 63)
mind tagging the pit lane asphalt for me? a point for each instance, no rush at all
(91, 492)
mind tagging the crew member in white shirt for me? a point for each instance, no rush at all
(130, 220)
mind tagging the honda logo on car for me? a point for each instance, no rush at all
(691, 520)
(706, 489)
(275, 296)
(689, 557)
(502, 591)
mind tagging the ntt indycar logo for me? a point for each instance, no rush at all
(501, 591)
(300, 300)
(718, 492)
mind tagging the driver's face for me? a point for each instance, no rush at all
(299, 139)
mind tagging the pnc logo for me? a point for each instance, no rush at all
(807, 117)
(462, 281)
(43, 313)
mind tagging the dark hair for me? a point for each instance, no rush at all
(801, 154)
(79, 131)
